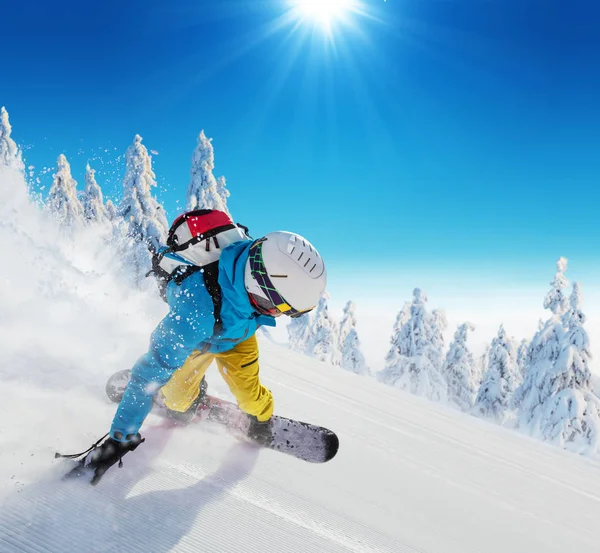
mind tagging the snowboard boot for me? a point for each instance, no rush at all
(260, 432)
(186, 417)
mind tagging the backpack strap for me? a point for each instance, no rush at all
(211, 281)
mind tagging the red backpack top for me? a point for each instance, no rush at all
(195, 242)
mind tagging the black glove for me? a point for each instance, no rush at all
(99, 458)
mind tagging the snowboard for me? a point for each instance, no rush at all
(303, 440)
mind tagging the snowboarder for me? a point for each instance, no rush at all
(279, 274)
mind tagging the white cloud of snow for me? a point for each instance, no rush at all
(66, 324)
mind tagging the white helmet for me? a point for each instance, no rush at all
(284, 274)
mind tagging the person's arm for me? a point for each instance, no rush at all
(190, 321)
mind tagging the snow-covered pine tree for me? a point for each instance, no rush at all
(203, 191)
(222, 190)
(522, 354)
(348, 322)
(92, 200)
(10, 155)
(438, 325)
(299, 333)
(402, 318)
(409, 363)
(323, 333)
(62, 200)
(460, 370)
(352, 358)
(482, 365)
(499, 382)
(556, 300)
(145, 220)
(543, 351)
(568, 411)
(110, 210)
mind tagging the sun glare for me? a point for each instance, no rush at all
(324, 12)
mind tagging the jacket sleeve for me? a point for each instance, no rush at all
(189, 322)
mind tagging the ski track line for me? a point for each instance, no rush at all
(489, 493)
(411, 401)
(323, 526)
(440, 436)
(36, 526)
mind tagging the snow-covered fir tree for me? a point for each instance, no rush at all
(323, 333)
(499, 382)
(62, 199)
(204, 192)
(522, 354)
(544, 349)
(222, 190)
(92, 199)
(10, 155)
(565, 410)
(110, 211)
(436, 329)
(144, 218)
(351, 356)
(556, 300)
(460, 370)
(348, 321)
(395, 347)
(481, 365)
(414, 362)
(298, 330)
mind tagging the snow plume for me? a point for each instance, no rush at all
(414, 360)
(323, 332)
(352, 358)
(460, 370)
(557, 401)
(10, 155)
(145, 220)
(92, 200)
(66, 323)
(204, 192)
(500, 381)
(66, 318)
(298, 330)
(62, 199)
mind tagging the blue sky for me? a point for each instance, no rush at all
(432, 137)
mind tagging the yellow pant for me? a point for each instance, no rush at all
(239, 368)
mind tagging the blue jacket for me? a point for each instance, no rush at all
(189, 326)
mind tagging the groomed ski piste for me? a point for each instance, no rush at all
(410, 475)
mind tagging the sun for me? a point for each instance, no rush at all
(324, 13)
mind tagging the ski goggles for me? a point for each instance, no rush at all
(275, 301)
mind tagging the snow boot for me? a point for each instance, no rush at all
(260, 432)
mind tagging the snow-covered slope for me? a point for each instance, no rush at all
(410, 475)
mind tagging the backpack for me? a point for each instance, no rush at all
(195, 242)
